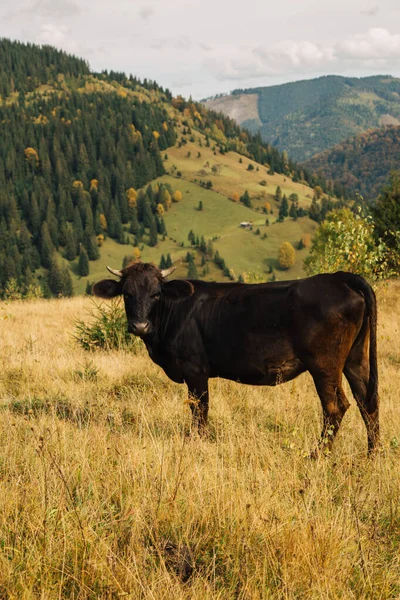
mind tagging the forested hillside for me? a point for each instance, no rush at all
(307, 117)
(24, 67)
(362, 163)
(77, 147)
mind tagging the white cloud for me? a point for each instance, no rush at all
(377, 43)
(377, 47)
(60, 37)
(294, 54)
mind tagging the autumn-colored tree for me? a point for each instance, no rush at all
(131, 194)
(136, 253)
(267, 207)
(32, 157)
(305, 241)
(103, 222)
(287, 255)
(177, 196)
(77, 186)
(160, 209)
(235, 197)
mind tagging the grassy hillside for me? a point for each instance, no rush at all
(307, 117)
(243, 250)
(229, 175)
(104, 495)
(362, 163)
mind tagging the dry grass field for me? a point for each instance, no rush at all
(103, 494)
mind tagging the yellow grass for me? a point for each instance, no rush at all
(104, 495)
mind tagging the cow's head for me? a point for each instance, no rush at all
(142, 285)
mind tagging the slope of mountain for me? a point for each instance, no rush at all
(77, 152)
(362, 163)
(307, 117)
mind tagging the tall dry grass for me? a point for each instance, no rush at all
(104, 495)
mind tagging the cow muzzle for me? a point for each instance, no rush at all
(139, 328)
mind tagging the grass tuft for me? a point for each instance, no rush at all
(107, 329)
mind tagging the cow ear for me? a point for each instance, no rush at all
(107, 288)
(178, 289)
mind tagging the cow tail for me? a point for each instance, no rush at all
(359, 284)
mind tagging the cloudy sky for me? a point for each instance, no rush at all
(213, 46)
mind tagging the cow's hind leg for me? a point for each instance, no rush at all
(356, 371)
(198, 401)
(334, 405)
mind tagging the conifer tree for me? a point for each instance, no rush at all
(70, 245)
(245, 199)
(153, 239)
(293, 211)
(192, 270)
(83, 263)
(90, 244)
(59, 279)
(283, 208)
(46, 247)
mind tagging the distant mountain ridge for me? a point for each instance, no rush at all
(307, 117)
(362, 163)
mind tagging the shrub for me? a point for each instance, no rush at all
(33, 292)
(107, 329)
(346, 241)
(12, 290)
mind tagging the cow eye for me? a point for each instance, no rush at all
(156, 296)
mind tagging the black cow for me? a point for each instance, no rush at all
(261, 334)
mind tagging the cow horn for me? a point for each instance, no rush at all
(115, 272)
(166, 272)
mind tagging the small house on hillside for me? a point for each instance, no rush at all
(245, 224)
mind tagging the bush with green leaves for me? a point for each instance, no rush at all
(107, 329)
(346, 242)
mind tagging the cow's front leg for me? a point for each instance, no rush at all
(198, 401)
